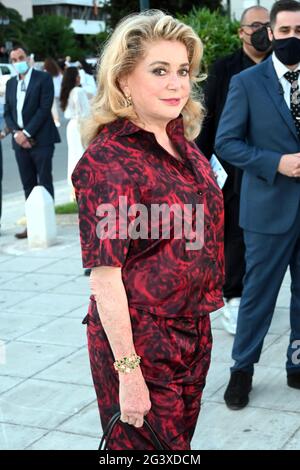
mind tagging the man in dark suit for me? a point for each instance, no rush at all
(259, 132)
(28, 103)
(255, 47)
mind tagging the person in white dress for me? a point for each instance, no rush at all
(52, 67)
(88, 81)
(75, 104)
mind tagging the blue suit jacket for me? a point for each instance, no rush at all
(255, 130)
(37, 117)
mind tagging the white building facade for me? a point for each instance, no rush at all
(86, 15)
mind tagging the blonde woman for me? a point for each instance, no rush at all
(148, 321)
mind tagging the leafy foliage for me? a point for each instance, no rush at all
(217, 32)
(50, 35)
(118, 9)
(14, 30)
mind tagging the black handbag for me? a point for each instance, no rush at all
(110, 427)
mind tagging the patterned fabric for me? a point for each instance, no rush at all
(161, 276)
(169, 288)
(175, 361)
(293, 77)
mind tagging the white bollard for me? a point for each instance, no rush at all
(40, 215)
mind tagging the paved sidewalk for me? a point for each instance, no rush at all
(47, 400)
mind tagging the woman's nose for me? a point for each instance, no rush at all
(174, 81)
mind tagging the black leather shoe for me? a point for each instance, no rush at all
(237, 392)
(21, 235)
(293, 380)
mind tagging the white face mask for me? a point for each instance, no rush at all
(21, 67)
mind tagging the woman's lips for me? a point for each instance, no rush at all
(172, 101)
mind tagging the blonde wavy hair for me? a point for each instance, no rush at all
(124, 49)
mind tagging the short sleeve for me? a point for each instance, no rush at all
(102, 187)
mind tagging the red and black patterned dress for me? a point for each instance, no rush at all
(170, 289)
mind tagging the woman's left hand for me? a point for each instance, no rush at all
(134, 398)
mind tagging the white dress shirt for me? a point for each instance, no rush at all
(21, 94)
(280, 70)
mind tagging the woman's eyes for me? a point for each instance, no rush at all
(161, 72)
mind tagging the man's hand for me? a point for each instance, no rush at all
(289, 165)
(22, 140)
(27, 145)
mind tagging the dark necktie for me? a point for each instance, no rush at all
(292, 77)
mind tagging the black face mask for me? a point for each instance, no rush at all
(287, 50)
(260, 40)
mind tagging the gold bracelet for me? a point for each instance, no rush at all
(127, 364)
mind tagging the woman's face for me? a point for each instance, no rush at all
(160, 84)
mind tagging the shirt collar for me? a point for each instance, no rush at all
(247, 61)
(125, 127)
(280, 68)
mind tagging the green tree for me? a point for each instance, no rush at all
(92, 44)
(118, 9)
(50, 35)
(217, 32)
(14, 30)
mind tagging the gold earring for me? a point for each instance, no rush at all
(128, 100)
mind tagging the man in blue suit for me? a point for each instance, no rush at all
(28, 103)
(259, 132)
